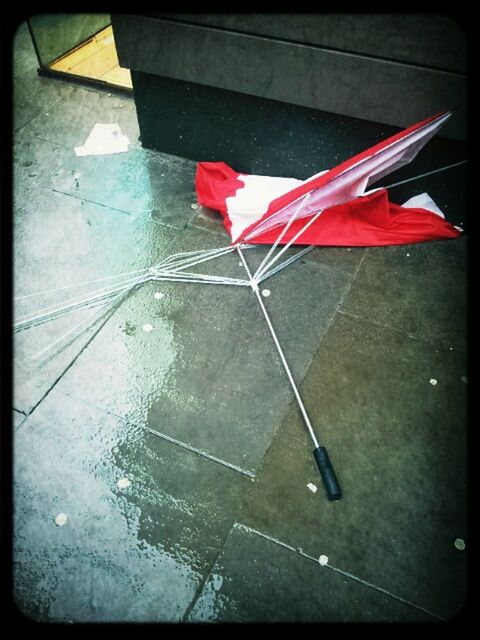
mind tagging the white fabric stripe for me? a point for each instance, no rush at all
(251, 202)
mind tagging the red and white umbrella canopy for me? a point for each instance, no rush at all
(332, 208)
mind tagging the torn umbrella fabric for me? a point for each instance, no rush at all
(335, 203)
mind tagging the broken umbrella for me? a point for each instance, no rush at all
(332, 208)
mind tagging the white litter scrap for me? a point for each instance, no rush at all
(312, 487)
(464, 379)
(459, 544)
(265, 293)
(123, 483)
(433, 381)
(147, 327)
(158, 295)
(323, 560)
(61, 519)
(104, 139)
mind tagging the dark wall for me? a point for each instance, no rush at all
(434, 41)
(387, 68)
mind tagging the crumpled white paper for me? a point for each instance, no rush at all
(103, 139)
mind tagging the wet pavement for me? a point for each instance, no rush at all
(178, 455)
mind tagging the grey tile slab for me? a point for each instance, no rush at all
(208, 373)
(35, 96)
(132, 554)
(398, 445)
(345, 259)
(69, 121)
(420, 289)
(256, 580)
(206, 218)
(33, 377)
(60, 241)
(35, 163)
(139, 181)
(155, 186)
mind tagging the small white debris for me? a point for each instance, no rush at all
(459, 544)
(194, 205)
(61, 519)
(123, 483)
(451, 348)
(349, 248)
(158, 295)
(464, 379)
(77, 175)
(265, 293)
(148, 327)
(109, 95)
(323, 560)
(408, 255)
(433, 381)
(312, 487)
(239, 264)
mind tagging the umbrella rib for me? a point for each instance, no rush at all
(285, 263)
(104, 307)
(80, 284)
(280, 236)
(289, 243)
(72, 303)
(423, 175)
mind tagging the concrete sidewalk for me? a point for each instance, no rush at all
(218, 523)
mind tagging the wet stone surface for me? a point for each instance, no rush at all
(137, 553)
(151, 186)
(420, 289)
(398, 447)
(55, 123)
(257, 580)
(60, 241)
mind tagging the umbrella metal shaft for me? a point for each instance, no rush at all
(280, 352)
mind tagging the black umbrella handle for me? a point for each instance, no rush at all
(328, 474)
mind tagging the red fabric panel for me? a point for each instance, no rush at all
(214, 183)
(367, 221)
